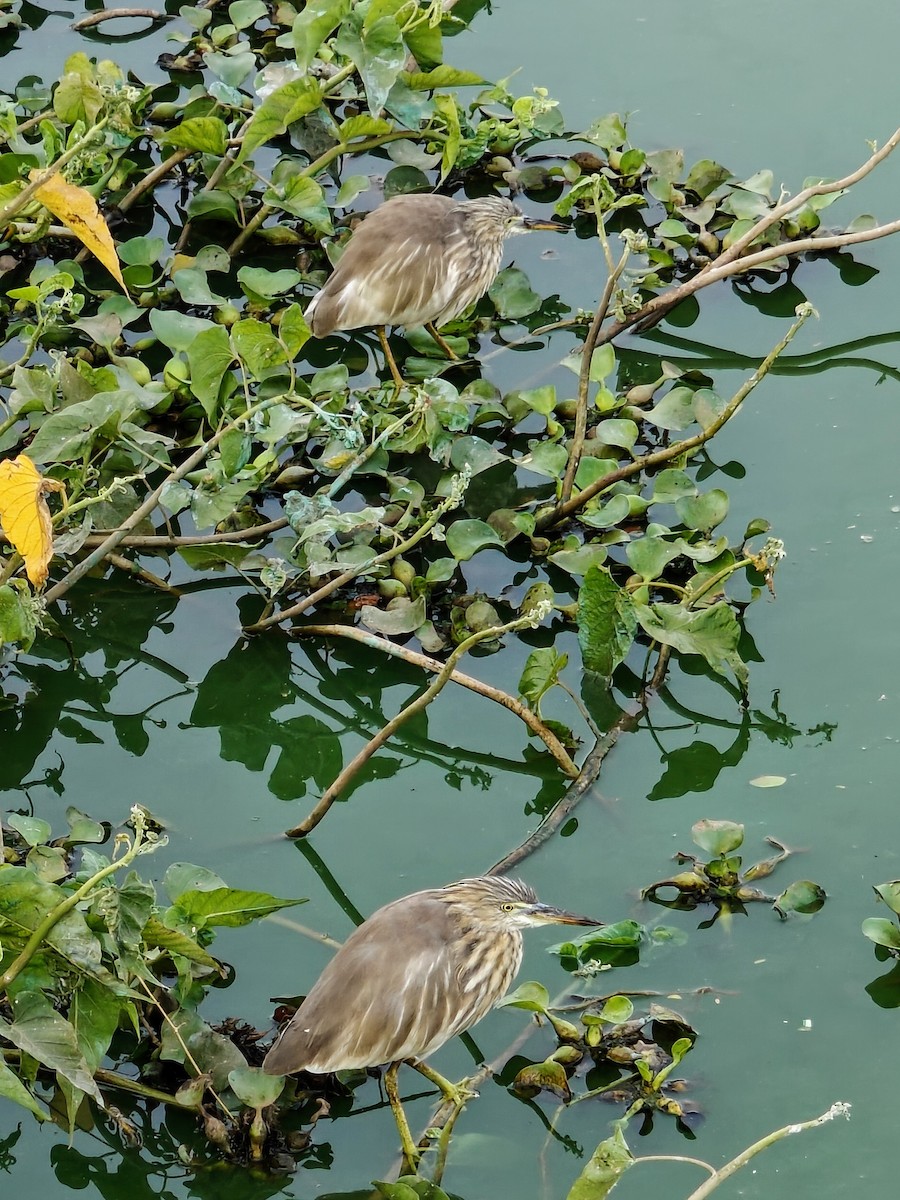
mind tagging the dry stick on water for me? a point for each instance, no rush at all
(331, 794)
(584, 374)
(109, 14)
(685, 447)
(427, 663)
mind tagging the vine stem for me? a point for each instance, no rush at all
(427, 663)
(143, 841)
(839, 1109)
(686, 447)
(421, 702)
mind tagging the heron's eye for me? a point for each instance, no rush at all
(507, 908)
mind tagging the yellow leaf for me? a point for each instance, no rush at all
(25, 516)
(78, 210)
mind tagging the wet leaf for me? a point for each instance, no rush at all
(12, 1088)
(882, 932)
(531, 996)
(541, 673)
(717, 837)
(802, 896)
(712, 633)
(467, 536)
(890, 894)
(254, 1087)
(25, 516)
(512, 294)
(43, 1033)
(213, 1053)
(604, 1169)
(403, 616)
(547, 1076)
(703, 512)
(33, 829)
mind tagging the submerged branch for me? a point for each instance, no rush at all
(427, 663)
(421, 702)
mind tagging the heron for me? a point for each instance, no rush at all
(418, 260)
(419, 971)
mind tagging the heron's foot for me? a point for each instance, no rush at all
(389, 358)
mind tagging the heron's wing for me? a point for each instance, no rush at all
(390, 992)
(403, 266)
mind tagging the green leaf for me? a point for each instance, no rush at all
(549, 1076)
(24, 902)
(209, 355)
(617, 432)
(34, 830)
(286, 104)
(293, 330)
(717, 837)
(212, 1052)
(540, 674)
(177, 330)
(228, 906)
(206, 134)
(627, 934)
(606, 622)
(882, 932)
(254, 1087)
(890, 894)
(82, 828)
(649, 556)
(605, 1168)
(606, 132)
(183, 877)
(675, 411)
(40, 1031)
(160, 936)
(579, 559)
(94, 1015)
(802, 896)
(712, 633)
(379, 54)
(313, 25)
(18, 617)
(257, 347)
(244, 13)
(64, 435)
(703, 512)
(617, 1010)
(303, 198)
(12, 1088)
(531, 996)
(468, 536)
(512, 295)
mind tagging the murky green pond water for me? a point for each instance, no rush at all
(167, 706)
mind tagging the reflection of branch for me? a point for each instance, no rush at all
(590, 769)
(534, 723)
(415, 706)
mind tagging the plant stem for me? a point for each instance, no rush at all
(840, 1109)
(427, 663)
(142, 841)
(687, 446)
(421, 702)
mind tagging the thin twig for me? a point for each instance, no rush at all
(687, 446)
(190, 463)
(427, 663)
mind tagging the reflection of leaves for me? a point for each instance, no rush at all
(885, 990)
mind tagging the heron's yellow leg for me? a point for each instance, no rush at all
(410, 1153)
(389, 358)
(454, 1093)
(450, 353)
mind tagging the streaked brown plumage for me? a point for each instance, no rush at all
(417, 260)
(416, 973)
